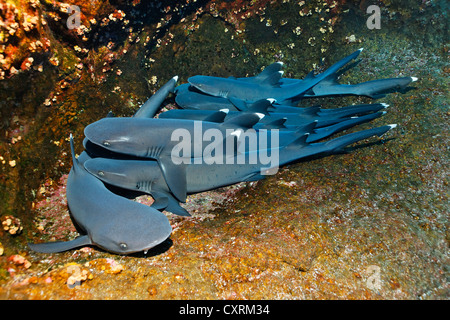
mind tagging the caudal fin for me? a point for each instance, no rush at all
(379, 88)
(59, 246)
(351, 111)
(324, 132)
(301, 88)
(300, 148)
(338, 65)
(338, 144)
(153, 104)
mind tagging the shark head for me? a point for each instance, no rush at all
(122, 135)
(140, 229)
(137, 175)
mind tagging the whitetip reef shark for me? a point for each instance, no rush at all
(111, 222)
(215, 93)
(146, 175)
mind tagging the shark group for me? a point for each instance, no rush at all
(148, 152)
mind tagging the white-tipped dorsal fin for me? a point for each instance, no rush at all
(237, 133)
(260, 115)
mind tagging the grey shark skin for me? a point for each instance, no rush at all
(153, 104)
(191, 100)
(270, 88)
(330, 87)
(152, 138)
(144, 175)
(373, 89)
(288, 133)
(147, 110)
(111, 222)
(324, 117)
(314, 113)
(186, 98)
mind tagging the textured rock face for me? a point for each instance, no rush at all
(369, 224)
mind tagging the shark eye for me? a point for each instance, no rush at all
(123, 246)
(101, 173)
(106, 143)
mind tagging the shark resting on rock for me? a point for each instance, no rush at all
(146, 175)
(137, 153)
(215, 93)
(110, 221)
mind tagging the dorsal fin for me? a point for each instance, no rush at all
(261, 106)
(273, 79)
(272, 68)
(310, 75)
(307, 129)
(276, 124)
(299, 142)
(244, 120)
(313, 110)
(217, 117)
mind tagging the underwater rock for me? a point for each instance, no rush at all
(378, 213)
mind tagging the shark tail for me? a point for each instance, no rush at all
(341, 63)
(351, 111)
(300, 148)
(324, 132)
(299, 89)
(379, 88)
(338, 144)
(59, 246)
(151, 107)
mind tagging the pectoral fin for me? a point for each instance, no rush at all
(172, 204)
(175, 176)
(160, 203)
(59, 246)
(238, 103)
